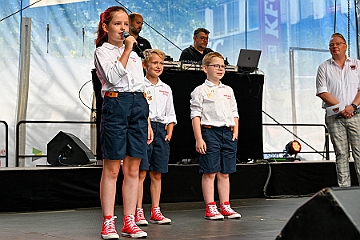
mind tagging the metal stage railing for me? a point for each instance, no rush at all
(6, 155)
(18, 156)
(327, 151)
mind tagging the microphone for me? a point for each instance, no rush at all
(125, 34)
(136, 48)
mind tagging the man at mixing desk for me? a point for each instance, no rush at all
(196, 52)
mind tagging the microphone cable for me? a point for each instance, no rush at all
(80, 90)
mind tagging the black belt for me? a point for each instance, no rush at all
(113, 94)
(209, 126)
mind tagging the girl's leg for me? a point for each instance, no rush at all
(108, 181)
(131, 182)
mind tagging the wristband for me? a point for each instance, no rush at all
(354, 106)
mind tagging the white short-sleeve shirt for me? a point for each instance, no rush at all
(342, 83)
(214, 104)
(160, 99)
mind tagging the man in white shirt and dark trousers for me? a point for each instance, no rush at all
(338, 85)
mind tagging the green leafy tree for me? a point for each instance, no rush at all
(169, 19)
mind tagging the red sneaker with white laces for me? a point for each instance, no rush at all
(212, 213)
(157, 217)
(227, 211)
(140, 219)
(130, 229)
(108, 230)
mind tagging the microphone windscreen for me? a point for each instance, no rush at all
(125, 34)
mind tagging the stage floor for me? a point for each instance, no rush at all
(261, 219)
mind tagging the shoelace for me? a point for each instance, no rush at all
(213, 209)
(158, 213)
(132, 225)
(110, 224)
(140, 213)
(228, 209)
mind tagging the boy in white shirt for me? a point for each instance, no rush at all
(215, 117)
(163, 118)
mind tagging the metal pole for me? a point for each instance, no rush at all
(335, 17)
(246, 24)
(24, 81)
(292, 89)
(357, 13)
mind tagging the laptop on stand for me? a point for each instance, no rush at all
(248, 60)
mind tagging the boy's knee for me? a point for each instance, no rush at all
(155, 176)
(209, 175)
(222, 175)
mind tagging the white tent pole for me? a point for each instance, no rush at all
(23, 84)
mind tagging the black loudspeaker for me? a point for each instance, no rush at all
(332, 213)
(66, 149)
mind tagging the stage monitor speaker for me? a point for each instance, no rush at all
(332, 213)
(66, 149)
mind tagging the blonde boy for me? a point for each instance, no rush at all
(215, 123)
(163, 119)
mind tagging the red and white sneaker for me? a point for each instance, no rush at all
(212, 213)
(227, 211)
(108, 230)
(130, 229)
(140, 219)
(157, 217)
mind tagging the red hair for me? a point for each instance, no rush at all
(106, 17)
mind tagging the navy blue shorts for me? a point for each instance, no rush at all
(158, 151)
(124, 126)
(220, 151)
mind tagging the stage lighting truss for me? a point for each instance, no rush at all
(293, 147)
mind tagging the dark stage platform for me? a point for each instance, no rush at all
(261, 219)
(55, 188)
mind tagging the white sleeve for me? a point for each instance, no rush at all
(321, 85)
(111, 70)
(170, 110)
(196, 102)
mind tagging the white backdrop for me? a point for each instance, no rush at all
(62, 45)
